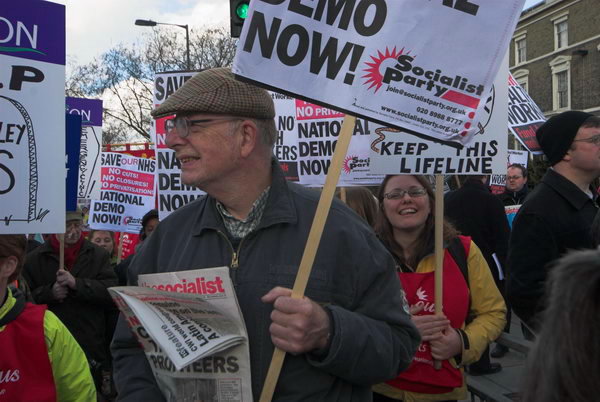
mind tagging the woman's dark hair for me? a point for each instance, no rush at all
(152, 214)
(564, 364)
(13, 245)
(361, 201)
(384, 229)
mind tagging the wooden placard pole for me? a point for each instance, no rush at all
(61, 251)
(439, 249)
(343, 194)
(120, 248)
(312, 244)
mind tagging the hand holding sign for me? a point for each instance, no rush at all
(65, 279)
(299, 325)
(59, 291)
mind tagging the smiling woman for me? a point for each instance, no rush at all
(406, 227)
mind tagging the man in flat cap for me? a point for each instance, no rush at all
(557, 215)
(351, 330)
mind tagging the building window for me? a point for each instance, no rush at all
(562, 89)
(522, 78)
(521, 50)
(561, 31)
(524, 86)
(561, 82)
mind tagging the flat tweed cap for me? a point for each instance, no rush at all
(217, 91)
(556, 135)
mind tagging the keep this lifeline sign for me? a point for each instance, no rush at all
(387, 61)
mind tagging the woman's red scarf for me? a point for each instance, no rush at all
(71, 252)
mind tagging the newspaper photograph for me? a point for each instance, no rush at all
(193, 334)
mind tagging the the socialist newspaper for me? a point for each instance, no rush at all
(193, 334)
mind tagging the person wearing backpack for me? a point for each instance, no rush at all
(474, 310)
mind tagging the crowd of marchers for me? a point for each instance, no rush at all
(366, 328)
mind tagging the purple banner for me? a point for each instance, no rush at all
(33, 29)
(90, 110)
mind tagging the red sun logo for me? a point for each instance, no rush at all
(374, 76)
(346, 165)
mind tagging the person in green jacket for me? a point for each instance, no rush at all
(40, 358)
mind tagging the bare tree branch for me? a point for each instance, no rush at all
(123, 76)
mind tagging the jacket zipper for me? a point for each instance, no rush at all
(235, 254)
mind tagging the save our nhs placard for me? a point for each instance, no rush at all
(425, 66)
(127, 193)
(32, 117)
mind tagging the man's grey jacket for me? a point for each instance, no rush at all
(353, 276)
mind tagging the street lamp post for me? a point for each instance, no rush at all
(150, 23)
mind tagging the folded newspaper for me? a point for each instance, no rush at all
(192, 331)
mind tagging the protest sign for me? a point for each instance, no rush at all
(129, 242)
(524, 116)
(396, 152)
(307, 137)
(73, 143)
(127, 193)
(141, 150)
(32, 117)
(172, 193)
(511, 213)
(90, 111)
(409, 64)
(286, 145)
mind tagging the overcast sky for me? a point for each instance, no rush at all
(94, 26)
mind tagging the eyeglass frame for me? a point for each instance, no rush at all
(514, 177)
(421, 192)
(594, 139)
(183, 131)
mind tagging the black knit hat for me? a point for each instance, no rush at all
(556, 135)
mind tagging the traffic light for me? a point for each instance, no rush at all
(238, 10)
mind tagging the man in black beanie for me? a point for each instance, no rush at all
(557, 215)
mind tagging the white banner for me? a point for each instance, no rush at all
(172, 193)
(423, 66)
(397, 152)
(307, 136)
(127, 193)
(32, 117)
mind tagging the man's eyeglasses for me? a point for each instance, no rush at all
(513, 177)
(181, 125)
(592, 140)
(413, 192)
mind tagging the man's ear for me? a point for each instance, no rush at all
(8, 266)
(249, 137)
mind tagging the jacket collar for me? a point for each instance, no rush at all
(566, 188)
(517, 194)
(280, 206)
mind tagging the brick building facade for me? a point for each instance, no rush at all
(555, 55)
